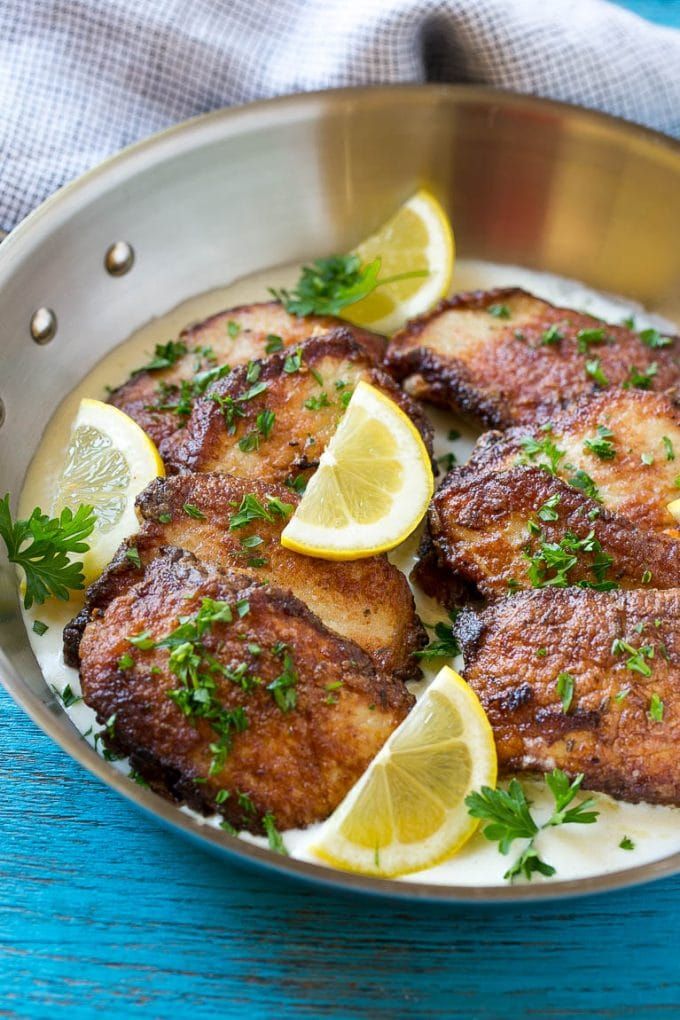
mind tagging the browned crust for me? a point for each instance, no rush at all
(437, 580)
(139, 398)
(615, 743)
(296, 764)
(300, 434)
(506, 380)
(367, 601)
(479, 526)
(642, 423)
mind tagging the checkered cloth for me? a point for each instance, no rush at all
(79, 79)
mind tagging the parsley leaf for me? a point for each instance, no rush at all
(165, 356)
(509, 818)
(41, 546)
(654, 339)
(640, 379)
(601, 444)
(331, 284)
(446, 644)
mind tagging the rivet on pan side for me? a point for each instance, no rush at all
(43, 325)
(119, 258)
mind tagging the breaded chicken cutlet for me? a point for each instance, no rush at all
(236, 524)
(523, 527)
(159, 396)
(272, 419)
(232, 696)
(615, 716)
(627, 442)
(505, 357)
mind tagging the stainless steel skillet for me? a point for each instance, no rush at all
(528, 181)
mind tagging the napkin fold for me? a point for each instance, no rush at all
(79, 79)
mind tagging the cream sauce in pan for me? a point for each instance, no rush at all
(576, 851)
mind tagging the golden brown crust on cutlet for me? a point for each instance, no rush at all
(437, 580)
(296, 763)
(498, 369)
(233, 337)
(307, 402)
(479, 522)
(606, 734)
(643, 425)
(366, 601)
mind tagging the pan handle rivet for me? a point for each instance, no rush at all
(119, 258)
(43, 325)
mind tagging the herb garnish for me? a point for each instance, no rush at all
(668, 447)
(331, 284)
(39, 628)
(656, 707)
(636, 656)
(561, 557)
(165, 356)
(534, 448)
(565, 690)
(654, 339)
(601, 443)
(193, 511)
(585, 337)
(499, 311)
(283, 686)
(41, 546)
(640, 379)
(627, 843)
(273, 835)
(446, 644)
(551, 335)
(251, 509)
(594, 370)
(273, 343)
(509, 818)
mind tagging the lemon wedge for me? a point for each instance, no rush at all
(372, 487)
(110, 459)
(417, 237)
(407, 812)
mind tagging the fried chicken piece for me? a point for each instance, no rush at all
(160, 399)
(627, 442)
(367, 601)
(621, 649)
(257, 699)
(506, 357)
(306, 390)
(501, 530)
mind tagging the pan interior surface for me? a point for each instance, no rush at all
(526, 182)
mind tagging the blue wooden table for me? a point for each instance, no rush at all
(103, 912)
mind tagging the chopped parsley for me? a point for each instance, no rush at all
(656, 708)
(582, 480)
(586, 337)
(233, 328)
(283, 686)
(647, 459)
(548, 511)
(42, 547)
(445, 644)
(565, 690)
(67, 696)
(193, 511)
(538, 448)
(273, 835)
(551, 563)
(601, 443)
(508, 817)
(331, 284)
(626, 843)
(447, 460)
(126, 661)
(273, 343)
(668, 447)
(654, 339)
(251, 509)
(636, 656)
(594, 370)
(499, 311)
(293, 362)
(132, 554)
(39, 628)
(551, 336)
(640, 379)
(316, 403)
(165, 356)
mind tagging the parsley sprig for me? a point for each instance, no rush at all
(42, 545)
(508, 816)
(331, 284)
